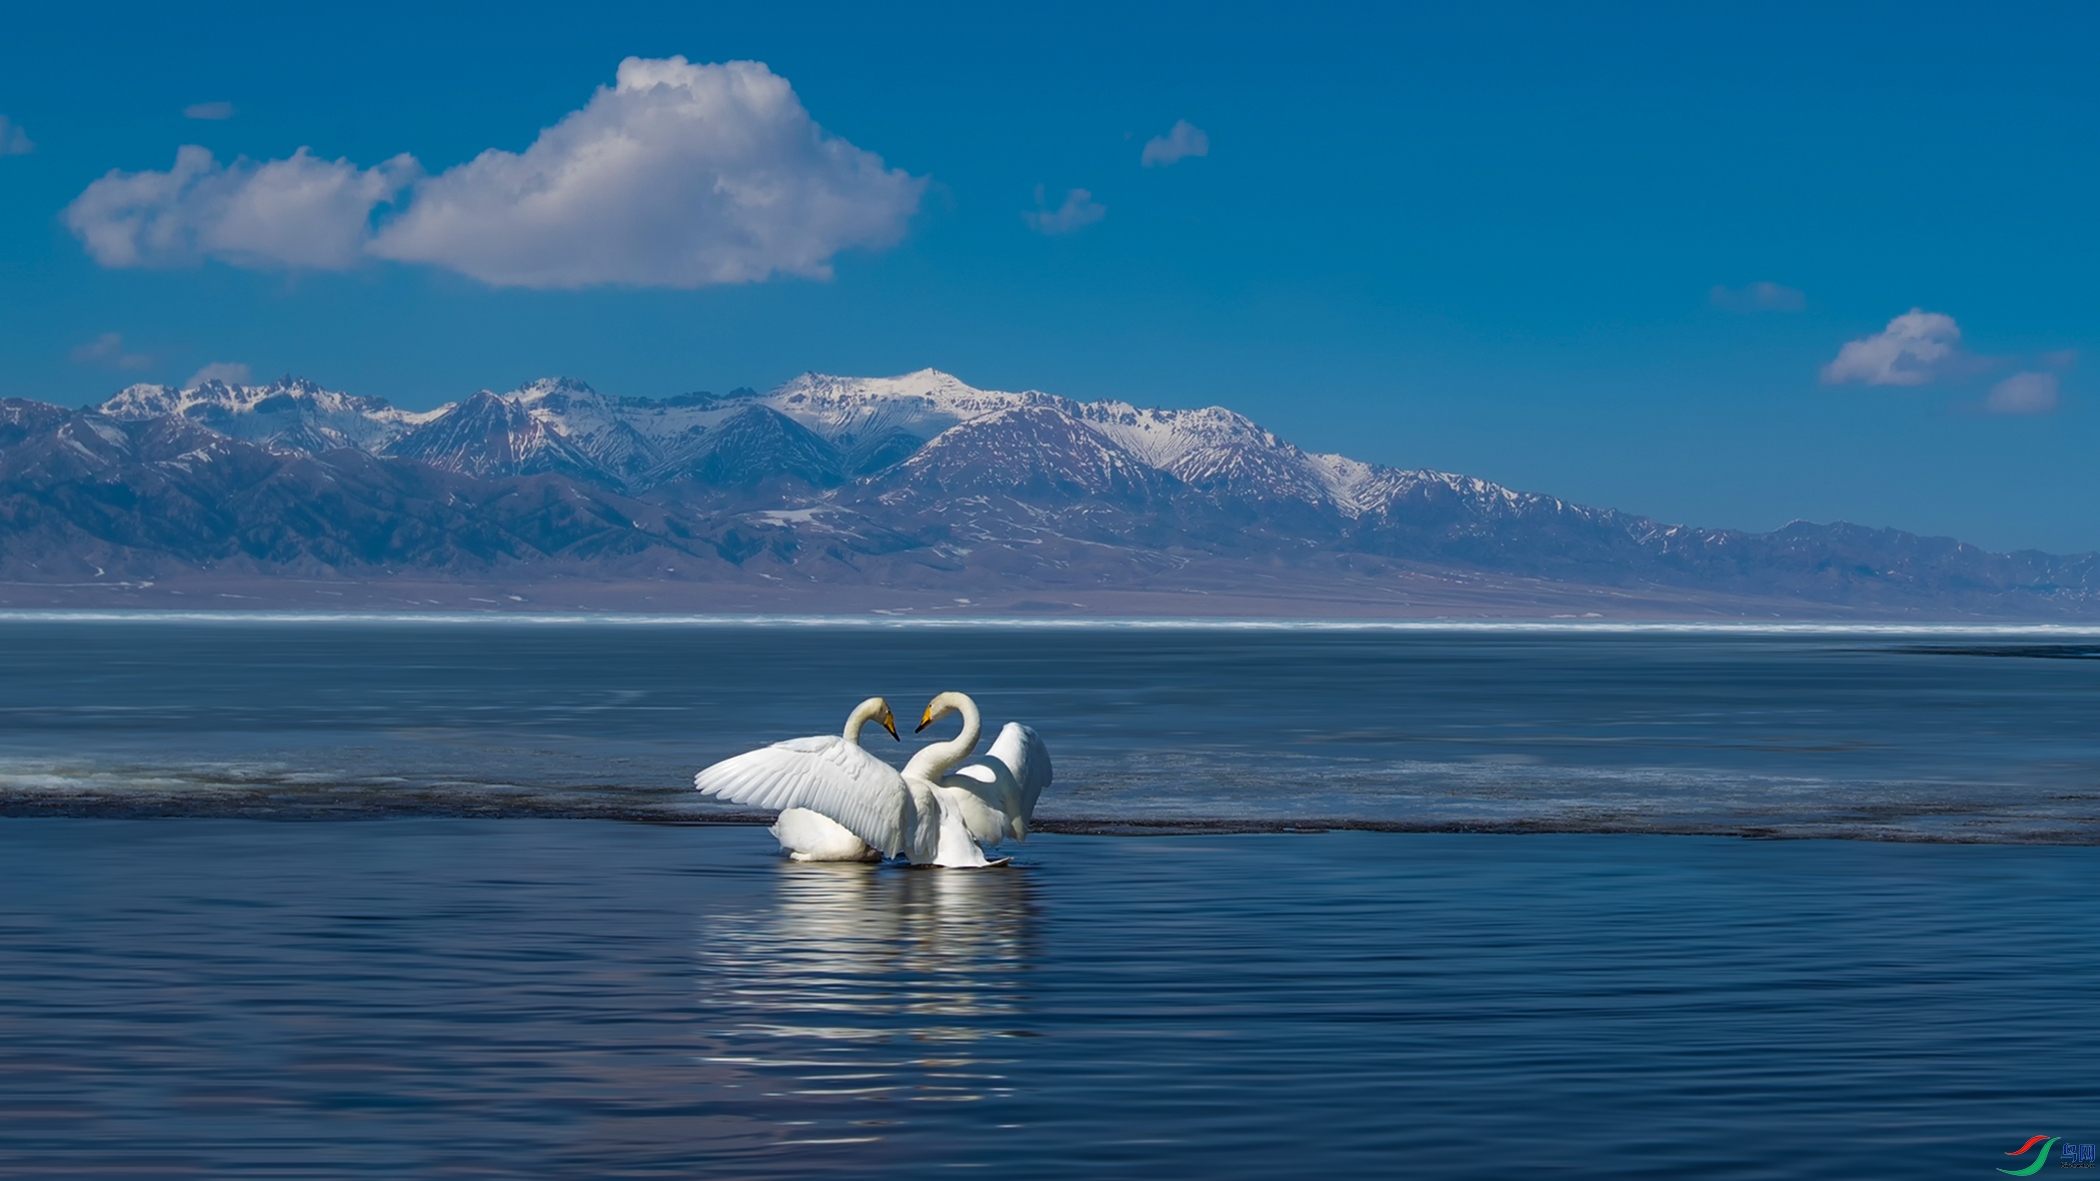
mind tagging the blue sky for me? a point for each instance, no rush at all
(1481, 238)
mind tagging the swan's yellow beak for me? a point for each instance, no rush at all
(925, 720)
(889, 722)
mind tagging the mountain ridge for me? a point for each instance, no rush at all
(853, 489)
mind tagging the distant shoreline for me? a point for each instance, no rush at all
(899, 619)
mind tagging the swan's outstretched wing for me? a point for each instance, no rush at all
(982, 792)
(825, 774)
(1025, 756)
(1001, 786)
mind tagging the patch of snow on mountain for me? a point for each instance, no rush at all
(1030, 449)
(1212, 448)
(1163, 437)
(1354, 486)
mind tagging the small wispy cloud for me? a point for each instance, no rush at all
(1181, 141)
(1757, 297)
(2023, 393)
(1917, 347)
(107, 350)
(230, 372)
(218, 110)
(1079, 211)
(13, 140)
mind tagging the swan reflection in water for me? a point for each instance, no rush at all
(863, 982)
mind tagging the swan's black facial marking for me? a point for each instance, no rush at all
(889, 722)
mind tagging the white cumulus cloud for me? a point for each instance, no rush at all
(217, 110)
(1181, 141)
(1758, 297)
(2023, 393)
(678, 176)
(230, 372)
(13, 140)
(302, 212)
(1079, 211)
(1917, 347)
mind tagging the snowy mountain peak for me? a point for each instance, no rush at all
(757, 445)
(591, 423)
(493, 435)
(1030, 451)
(555, 391)
(1212, 448)
(142, 401)
(291, 414)
(855, 413)
(941, 389)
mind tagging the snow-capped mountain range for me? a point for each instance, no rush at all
(849, 492)
(835, 429)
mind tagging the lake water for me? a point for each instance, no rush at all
(1908, 735)
(461, 978)
(588, 999)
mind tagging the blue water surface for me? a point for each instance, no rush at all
(429, 898)
(546, 998)
(1906, 735)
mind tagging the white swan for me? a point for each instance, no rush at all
(985, 801)
(812, 779)
(840, 803)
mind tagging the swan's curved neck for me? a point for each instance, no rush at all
(938, 758)
(867, 711)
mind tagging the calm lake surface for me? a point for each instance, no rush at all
(1937, 736)
(463, 975)
(588, 999)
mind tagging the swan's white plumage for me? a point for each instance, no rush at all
(813, 836)
(1002, 785)
(837, 802)
(1020, 764)
(1024, 754)
(957, 847)
(824, 774)
(991, 797)
(981, 795)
